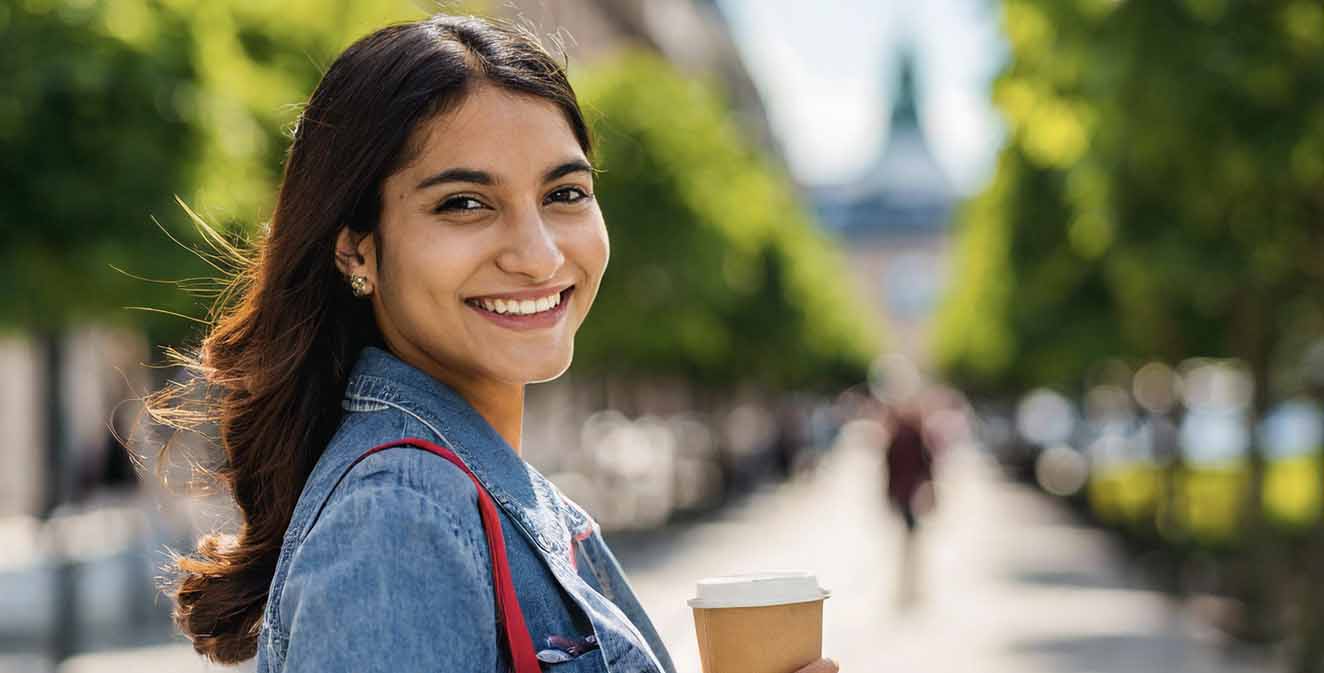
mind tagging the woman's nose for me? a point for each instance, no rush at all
(532, 249)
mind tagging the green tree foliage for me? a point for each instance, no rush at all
(1161, 193)
(111, 108)
(92, 143)
(716, 271)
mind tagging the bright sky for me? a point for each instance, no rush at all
(826, 71)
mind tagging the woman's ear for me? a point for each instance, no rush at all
(355, 255)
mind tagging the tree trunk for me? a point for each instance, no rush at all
(1260, 619)
(1310, 656)
(64, 632)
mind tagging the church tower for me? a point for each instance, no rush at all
(915, 191)
(893, 220)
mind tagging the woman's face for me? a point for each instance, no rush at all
(492, 244)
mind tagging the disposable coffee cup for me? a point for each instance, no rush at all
(764, 622)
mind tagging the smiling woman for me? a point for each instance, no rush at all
(496, 249)
(435, 246)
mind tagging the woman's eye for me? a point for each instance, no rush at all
(568, 195)
(459, 203)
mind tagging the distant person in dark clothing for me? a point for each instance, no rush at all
(908, 477)
(909, 465)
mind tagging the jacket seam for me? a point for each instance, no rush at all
(607, 589)
(295, 534)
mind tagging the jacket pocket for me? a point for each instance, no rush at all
(558, 649)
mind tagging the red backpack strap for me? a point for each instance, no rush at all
(517, 633)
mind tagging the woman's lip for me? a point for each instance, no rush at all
(537, 293)
(524, 322)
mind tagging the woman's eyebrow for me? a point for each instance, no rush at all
(575, 166)
(476, 176)
(457, 175)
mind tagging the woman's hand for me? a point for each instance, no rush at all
(821, 666)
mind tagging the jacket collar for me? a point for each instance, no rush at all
(380, 378)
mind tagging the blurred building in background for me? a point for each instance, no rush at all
(893, 219)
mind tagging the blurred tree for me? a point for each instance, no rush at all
(1166, 192)
(110, 108)
(1161, 195)
(716, 270)
(92, 143)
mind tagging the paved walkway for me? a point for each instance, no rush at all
(1008, 582)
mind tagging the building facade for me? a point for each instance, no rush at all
(893, 222)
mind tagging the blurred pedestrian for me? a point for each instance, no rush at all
(434, 247)
(908, 479)
(909, 466)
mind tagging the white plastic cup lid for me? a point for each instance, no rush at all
(748, 590)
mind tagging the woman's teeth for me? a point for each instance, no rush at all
(525, 307)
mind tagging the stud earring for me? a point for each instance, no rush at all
(359, 285)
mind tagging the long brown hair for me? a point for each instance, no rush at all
(271, 369)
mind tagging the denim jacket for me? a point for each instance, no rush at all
(388, 568)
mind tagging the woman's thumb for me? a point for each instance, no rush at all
(821, 666)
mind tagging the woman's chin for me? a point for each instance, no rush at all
(540, 371)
